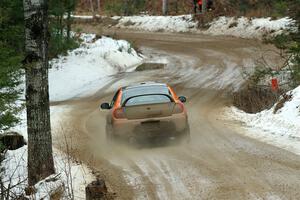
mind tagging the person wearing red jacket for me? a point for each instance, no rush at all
(200, 5)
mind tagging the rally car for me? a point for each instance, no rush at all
(146, 111)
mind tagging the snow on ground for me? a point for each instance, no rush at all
(80, 73)
(242, 27)
(85, 69)
(15, 166)
(250, 28)
(82, 16)
(281, 129)
(230, 26)
(74, 178)
(181, 23)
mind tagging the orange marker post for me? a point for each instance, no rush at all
(275, 86)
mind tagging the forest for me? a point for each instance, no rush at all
(35, 33)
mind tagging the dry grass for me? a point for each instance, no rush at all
(254, 99)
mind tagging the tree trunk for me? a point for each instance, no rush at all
(165, 7)
(126, 7)
(61, 25)
(40, 158)
(176, 6)
(69, 22)
(204, 6)
(92, 7)
(99, 6)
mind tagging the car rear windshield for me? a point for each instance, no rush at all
(148, 99)
(146, 95)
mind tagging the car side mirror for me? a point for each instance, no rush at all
(105, 106)
(182, 99)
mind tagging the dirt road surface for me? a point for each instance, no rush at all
(219, 163)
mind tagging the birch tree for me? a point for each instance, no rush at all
(165, 7)
(40, 158)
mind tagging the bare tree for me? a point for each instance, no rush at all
(176, 6)
(40, 158)
(126, 7)
(92, 7)
(165, 7)
(99, 6)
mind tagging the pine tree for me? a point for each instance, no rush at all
(11, 55)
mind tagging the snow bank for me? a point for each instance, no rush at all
(15, 166)
(181, 23)
(15, 173)
(250, 28)
(281, 128)
(82, 16)
(84, 69)
(230, 26)
(82, 72)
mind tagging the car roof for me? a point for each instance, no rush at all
(144, 84)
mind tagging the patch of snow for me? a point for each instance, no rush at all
(82, 16)
(15, 173)
(281, 129)
(250, 28)
(15, 166)
(85, 69)
(82, 72)
(230, 26)
(181, 23)
(47, 187)
(86, 16)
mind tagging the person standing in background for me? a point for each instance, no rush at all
(195, 6)
(200, 3)
(198, 6)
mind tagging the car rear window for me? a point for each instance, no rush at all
(151, 94)
(148, 99)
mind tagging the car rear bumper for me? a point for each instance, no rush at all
(171, 126)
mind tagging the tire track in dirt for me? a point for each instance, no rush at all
(218, 163)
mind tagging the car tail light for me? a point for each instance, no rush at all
(178, 108)
(119, 113)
